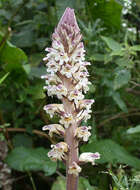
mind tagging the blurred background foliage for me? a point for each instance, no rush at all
(111, 34)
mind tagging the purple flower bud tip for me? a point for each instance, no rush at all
(68, 18)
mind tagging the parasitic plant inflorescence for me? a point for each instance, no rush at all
(67, 78)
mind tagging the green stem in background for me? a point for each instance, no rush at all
(32, 180)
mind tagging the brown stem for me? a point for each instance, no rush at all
(120, 115)
(72, 180)
(37, 132)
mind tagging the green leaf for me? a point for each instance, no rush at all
(112, 44)
(4, 77)
(27, 68)
(111, 152)
(11, 56)
(108, 11)
(125, 62)
(135, 48)
(134, 130)
(117, 98)
(60, 184)
(122, 77)
(28, 159)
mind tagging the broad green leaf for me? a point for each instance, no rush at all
(28, 159)
(4, 77)
(60, 184)
(108, 11)
(134, 130)
(112, 44)
(122, 77)
(111, 152)
(11, 56)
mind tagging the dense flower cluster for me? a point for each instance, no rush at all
(67, 79)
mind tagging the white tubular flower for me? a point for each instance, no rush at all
(85, 104)
(51, 79)
(51, 109)
(74, 169)
(76, 96)
(89, 157)
(66, 120)
(54, 128)
(83, 133)
(83, 115)
(61, 91)
(51, 89)
(58, 151)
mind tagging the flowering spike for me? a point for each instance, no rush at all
(67, 79)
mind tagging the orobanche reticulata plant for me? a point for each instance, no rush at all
(67, 78)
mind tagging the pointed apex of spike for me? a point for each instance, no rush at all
(69, 18)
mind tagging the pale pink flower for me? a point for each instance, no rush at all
(58, 151)
(52, 109)
(83, 133)
(89, 157)
(54, 128)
